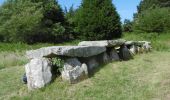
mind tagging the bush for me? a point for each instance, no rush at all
(153, 20)
(21, 22)
(127, 26)
(32, 21)
(97, 20)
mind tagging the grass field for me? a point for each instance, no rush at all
(146, 77)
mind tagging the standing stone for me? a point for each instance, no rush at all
(38, 73)
(114, 55)
(147, 46)
(74, 71)
(103, 58)
(124, 53)
(92, 63)
(133, 49)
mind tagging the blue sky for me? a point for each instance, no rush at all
(125, 8)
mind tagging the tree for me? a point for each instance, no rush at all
(151, 4)
(97, 20)
(152, 16)
(70, 17)
(127, 25)
(32, 21)
(18, 20)
(154, 20)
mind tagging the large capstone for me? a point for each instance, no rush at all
(104, 43)
(71, 51)
(74, 71)
(38, 72)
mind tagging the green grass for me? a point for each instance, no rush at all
(159, 42)
(13, 54)
(17, 47)
(146, 77)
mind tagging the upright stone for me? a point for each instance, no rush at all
(133, 49)
(114, 55)
(103, 58)
(147, 46)
(74, 71)
(38, 72)
(124, 53)
(91, 63)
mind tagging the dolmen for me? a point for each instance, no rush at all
(79, 60)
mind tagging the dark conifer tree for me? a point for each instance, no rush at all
(97, 20)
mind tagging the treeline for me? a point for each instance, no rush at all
(153, 16)
(32, 21)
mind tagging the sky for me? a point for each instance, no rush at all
(125, 8)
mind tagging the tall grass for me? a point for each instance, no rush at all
(13, 54)
(17, 47)
(11, 59)
(160, 42)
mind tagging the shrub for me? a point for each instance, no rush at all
(153, 20)
(97, 20)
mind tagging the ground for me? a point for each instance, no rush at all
(146, 77)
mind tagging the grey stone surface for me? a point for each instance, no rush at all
(118, 42)
(103, 58)
(125, 53)
(92, 63)
(94, 43)
(105, 43)
(71, 63)
(133, 49)
(114, 55)
(74, 71)
(72, 51)
(38, 72)
(147, 46)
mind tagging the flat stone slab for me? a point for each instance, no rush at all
(105, 43)
(137, 43)
(71, 51)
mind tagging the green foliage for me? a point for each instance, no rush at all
(127, 25)
(151, 4)
(153, 20)
(57, 64)
(32, 21)
(17, 24)
(97, 19)
(70, 16)
(159, 42)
